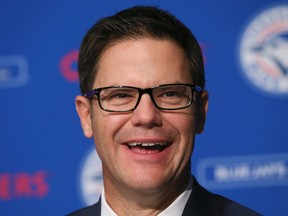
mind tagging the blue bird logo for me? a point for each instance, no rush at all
(275, 49)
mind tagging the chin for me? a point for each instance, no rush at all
(148, 183)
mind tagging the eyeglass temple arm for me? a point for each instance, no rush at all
(198, 88)
(91, 93)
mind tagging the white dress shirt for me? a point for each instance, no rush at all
(175, 208)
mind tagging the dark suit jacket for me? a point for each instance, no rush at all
(200, 203)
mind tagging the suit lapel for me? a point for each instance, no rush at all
(201, 202)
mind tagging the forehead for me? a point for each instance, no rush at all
(143, 62)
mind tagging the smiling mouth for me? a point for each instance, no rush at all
(148, 146)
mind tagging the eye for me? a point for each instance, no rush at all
(170, 94)
(173, 93)
(116, 95)
(119, 95)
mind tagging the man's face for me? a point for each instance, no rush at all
(142, 63)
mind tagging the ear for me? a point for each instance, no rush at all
(202, 108)
(83, 108)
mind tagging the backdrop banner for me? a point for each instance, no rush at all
(48, 167)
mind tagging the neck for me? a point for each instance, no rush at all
(130, 201)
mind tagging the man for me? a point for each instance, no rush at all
(142, 81)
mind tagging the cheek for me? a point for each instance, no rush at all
(104, 128)
(185, 126)
(106, 125)
(184, 123)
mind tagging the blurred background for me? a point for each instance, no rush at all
(48, 167)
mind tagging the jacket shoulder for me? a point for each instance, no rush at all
(93, 210)
(203, 202)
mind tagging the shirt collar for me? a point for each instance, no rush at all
(175, 208)
(105, 208)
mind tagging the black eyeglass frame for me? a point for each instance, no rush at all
(90, 94)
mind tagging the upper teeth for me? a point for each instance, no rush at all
(146, 144)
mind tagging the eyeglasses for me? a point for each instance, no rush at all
(127, 98)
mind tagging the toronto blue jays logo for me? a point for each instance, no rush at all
(264, 51)
(91, 179)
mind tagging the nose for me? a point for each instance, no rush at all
(146, 114)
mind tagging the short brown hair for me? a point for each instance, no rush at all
(135, 23)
